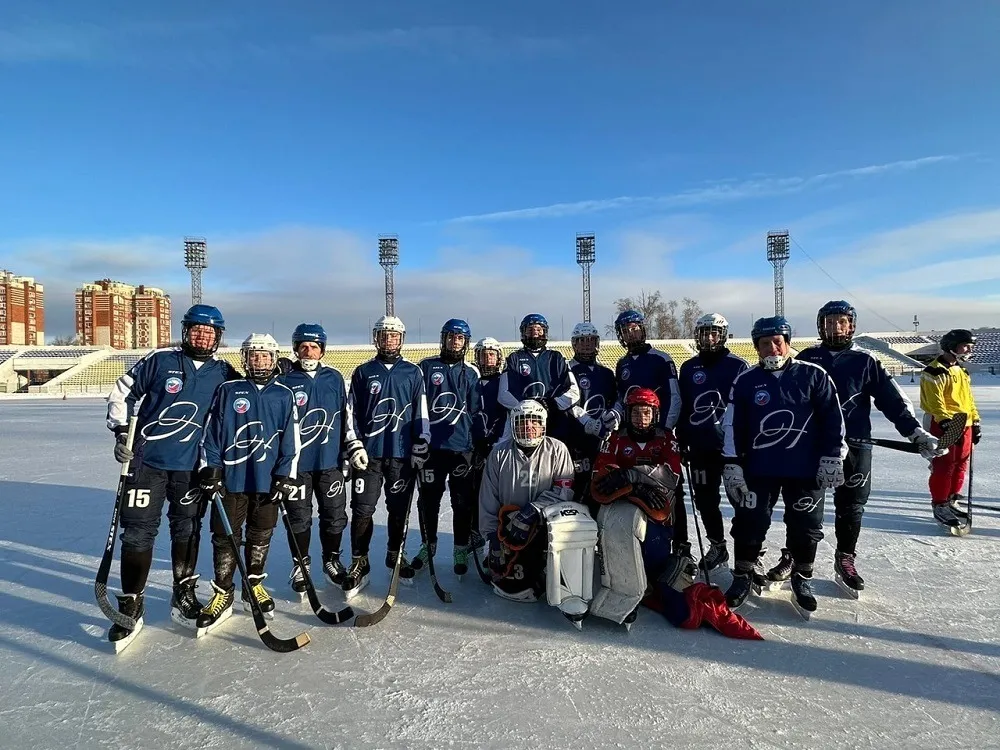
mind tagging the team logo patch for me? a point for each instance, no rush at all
(627, 450)
(374, 387)
(301, 397)
(173, 385)
(437, 378)
(761, 398)
(585, 382)
(241, 405)
(625, 373)
(525, 368)
(699, 377)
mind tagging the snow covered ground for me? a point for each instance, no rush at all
(914, 664)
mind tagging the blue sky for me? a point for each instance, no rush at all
(486, 136)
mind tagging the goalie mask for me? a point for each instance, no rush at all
(388, 335)
(489, 357)
(527, 423)
(259, 354)
(642, 413)
(711, 332)
(586, 340)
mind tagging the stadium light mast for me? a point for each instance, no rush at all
(196, 261)
(916, 324)
(388, 258)
(777, 256)
(586, 256)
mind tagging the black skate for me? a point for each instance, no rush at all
(419, 562)
(334, 570)
(945, 515)
(217, 611)
(953, 502)
(716, 557)
(130, 605)
(630, 619)
(846, 574)
(741, 587)
(476, 542)
(780, 573)
(357, 576)
(802, 594)
(260, 594)
(184, 605)
(461, 561)
(407, 569)
(297, 578)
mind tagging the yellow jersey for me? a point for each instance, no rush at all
(946, 390)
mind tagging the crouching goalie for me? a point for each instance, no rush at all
(539, 539)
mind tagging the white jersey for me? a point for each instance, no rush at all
(512, 477)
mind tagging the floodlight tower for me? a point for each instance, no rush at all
(777, 256)
(388, 258)
(586, 256)
(916, 324)
(196, 261)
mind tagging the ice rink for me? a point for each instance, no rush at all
(914, 664)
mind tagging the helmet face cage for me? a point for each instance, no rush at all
(449, 332)
(827, 329)
(586, 341)
(488, 345)
(388, 324)
(527, 423)
(534, 342)
(202, 315)
(639, 398)
(623, 322)
(255, 369)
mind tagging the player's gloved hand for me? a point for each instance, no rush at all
(977, 433)
(480, 452)
(496, 559)
(122, 453)
(592, 426)
(653, 496)
(419, 453)
(610, 420)
(735, 484)
(520, 525)
(282, 489)
(927, 443)
(612, 483)
(357, 455)
(210, 480)
(830, 473)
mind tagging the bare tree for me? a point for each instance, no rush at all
(690, 312)
(648, 304)
(662, 318)
(66, 341)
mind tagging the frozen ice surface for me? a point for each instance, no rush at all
(914, 664)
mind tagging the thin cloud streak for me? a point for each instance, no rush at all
(716, 193)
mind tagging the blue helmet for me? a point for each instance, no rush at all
(459, 327)
(534, 342)
(201, 315)
(774, 326)
(625, 317)
(836, 307)
(309, 332)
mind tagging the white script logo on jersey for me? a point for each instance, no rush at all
(706, 407)
(534, 390)
(384, 416)
(777, 426)
(594, 406)
(445, 408)
(248, 442)
(171, 421)
(315, 425)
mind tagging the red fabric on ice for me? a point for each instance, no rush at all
(700, 604)
(948, 471)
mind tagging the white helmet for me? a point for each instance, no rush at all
(388, 324)
(488, 344)
(527, 411)
(585, 355)
(705, 326)
(259, 342)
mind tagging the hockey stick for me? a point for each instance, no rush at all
(697, 524)
(431, 549)
(324, 614)
(947, 439)
(281, 645)
(363, 621)
(968, 523)
(101, 583)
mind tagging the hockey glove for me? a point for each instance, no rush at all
(610, 420)
(830, 473)
(520, 527)
(357, 455)
(122, 453)
(282, 489)
(610, 484)
(977, 433)
(419, 453)
(592, 426)
(927, 443)
(210, 480)
(653, 496)
(735, 484)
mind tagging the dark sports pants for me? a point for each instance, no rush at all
(396, 475)
(329, 488)
(706, 479)
(803, 515)
(260, 516)
(456, 469)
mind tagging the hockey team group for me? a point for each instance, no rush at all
(566, 479)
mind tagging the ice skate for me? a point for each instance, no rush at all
(297, 578)
(803, 598)
(357, 576)
(779, 575)
(256, 583)
(846, 574)
(130, 605)
(217, 611)
(184, 605)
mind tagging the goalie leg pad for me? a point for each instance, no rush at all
(623, 574)
(572, 537)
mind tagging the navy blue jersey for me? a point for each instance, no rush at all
(252, 434)
(173, 393)
(388, 406)
(492, 414)
(598, 392)
(452, 402)
(779, 424)
(653, 369)
(543, 375)
(321, 400)
(860, 379)
(705, 383)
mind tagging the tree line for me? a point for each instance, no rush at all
(665, 319)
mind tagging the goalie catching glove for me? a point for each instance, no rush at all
(654, 498)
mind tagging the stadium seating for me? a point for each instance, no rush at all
(6, 354)
(103, 373)
(70, 352)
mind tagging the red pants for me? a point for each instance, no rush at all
(948, 472)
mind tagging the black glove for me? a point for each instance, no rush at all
(977, 433)
(612, 483)
(210, 480)
(654, 497)
(520, 526)
(282, 489)
(122, 454)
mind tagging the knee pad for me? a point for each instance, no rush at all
(623, 574)
(572, 537)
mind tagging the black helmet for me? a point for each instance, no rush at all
(955, 338)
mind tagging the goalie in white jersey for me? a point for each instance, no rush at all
(527, 488)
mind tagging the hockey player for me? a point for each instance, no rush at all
(946, 390)
(490, 423)
(327, 435)
(784, 434)
(705, 382)
(452, 387)
(536, 372)
(388, 404)
(597, 395)
(527, 486)
(170, 390)
(250, 454)
(860, 380)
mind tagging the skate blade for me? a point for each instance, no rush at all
(805, 614)
(201, 632)
(407, 581)
(853, 593)
(960, 530)
(628, 627)
(303, 597)
(245, 606)
(351, 593)
(774, 587)
(185, 622)
(127, 640)
(578, 624)
(459, 577)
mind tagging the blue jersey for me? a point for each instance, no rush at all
(598, 392)
(452, 402)
(173, 393)
(543, 375)
(321, 401)
(252, 434)
(779, 424)
(860, 379)
(653, 369)
(388, 406)
(705, 383)
(492, 414)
